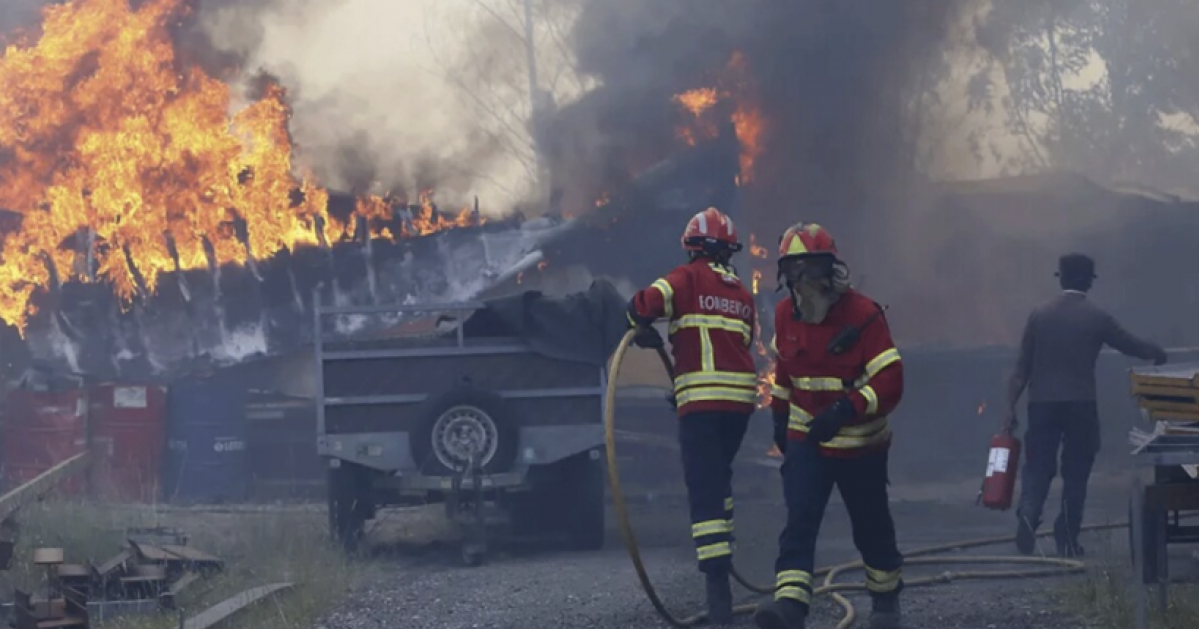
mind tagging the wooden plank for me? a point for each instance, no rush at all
(1181, 393)
(1174, 416)
(182, 582)
(150, 552)
(72, 570)
(112, 564)
(222, 611)
(1152, 404)
(191, 554)
(41, 485)
(1186, 375)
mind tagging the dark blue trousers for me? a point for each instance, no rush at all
(709, 442)
(808, 481)
(1072, 428)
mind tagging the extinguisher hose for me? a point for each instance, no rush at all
(1025, 567)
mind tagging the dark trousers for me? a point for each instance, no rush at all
(1074, 427)
(808, 480)
(709, 442)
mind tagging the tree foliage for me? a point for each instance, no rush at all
(1109, 88)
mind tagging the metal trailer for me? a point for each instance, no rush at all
(1155, 511)
(507, 439)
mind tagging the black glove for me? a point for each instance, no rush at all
(648, 338)
(780, 429)
(825, 425)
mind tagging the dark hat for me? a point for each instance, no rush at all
(1076, 265)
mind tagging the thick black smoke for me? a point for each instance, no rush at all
(833, 80)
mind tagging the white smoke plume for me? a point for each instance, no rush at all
(399, 95)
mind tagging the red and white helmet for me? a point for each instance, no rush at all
(711, 231)
(806, 239)
(806, 250)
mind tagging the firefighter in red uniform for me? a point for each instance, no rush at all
(838, 376)
(715, 386)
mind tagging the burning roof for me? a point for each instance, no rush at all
(124, 163)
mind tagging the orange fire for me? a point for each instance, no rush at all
(698, 100)
(106, 135)
(766, 375)
(756, 250)
(748, 123)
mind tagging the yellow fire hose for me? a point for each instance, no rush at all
(1054, 566)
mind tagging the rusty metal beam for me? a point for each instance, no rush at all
(40, 486)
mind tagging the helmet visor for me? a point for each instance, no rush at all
(796, 269)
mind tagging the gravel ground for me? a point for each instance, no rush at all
(426, 587)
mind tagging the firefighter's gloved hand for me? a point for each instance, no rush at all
(780, 429)
(647, 337)
(826, 425)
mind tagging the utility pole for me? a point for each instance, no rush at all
(536, 105)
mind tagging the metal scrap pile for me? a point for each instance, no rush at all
(145, 577)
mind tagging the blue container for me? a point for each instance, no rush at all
(206, 460)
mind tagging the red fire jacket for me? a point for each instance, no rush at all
(711, 329)
(808, 378)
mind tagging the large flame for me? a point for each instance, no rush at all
(107, 137)
(734, 84)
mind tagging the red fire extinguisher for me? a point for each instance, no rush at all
(999, 486)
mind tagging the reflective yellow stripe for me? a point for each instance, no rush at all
(871, 399)
(774, 347)
(881, 581)
(781, 393)
(728, 504)
(667, 291)
(794, 593)
(709, 527)
(713, 322)
(723, 271)
(793, 577)
(716, 378)
(849, 437)
(707, 357)
(881, 362)
(801, 418)
(712, 551)
(716, 394)
(818, 384)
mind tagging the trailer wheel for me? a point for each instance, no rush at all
(461, 422)
(350, 504)
(565, 507)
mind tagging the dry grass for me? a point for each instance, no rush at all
(259, 546)
(1106, 595)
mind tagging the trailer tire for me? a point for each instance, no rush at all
(583, 501)
(350, 504)
(460, 420)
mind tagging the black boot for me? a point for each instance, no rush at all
(885, 612)
(781, 614)
(1067, 545)
(720, 598)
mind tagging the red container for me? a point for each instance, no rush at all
(128, 438)
(40, 430)
(999, 486)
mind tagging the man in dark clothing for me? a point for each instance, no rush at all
(1061, 343)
